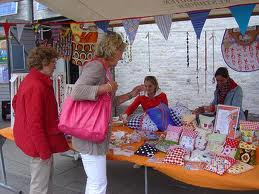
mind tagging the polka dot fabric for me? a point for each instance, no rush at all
(233, 143)
(146, 150)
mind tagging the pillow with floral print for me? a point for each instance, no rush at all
(239, 167)
(246, 153)
(173, 133)
(220, 164)
(187, 139)
(148, 124)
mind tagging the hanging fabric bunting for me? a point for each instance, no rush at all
(103, 25)
(198, 19)
(131, 28)
(242, 15)
(164, 24)
(19, 31)
(6, 29)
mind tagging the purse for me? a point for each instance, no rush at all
(87, 120)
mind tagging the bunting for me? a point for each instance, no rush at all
(19, 28)
(103, 25)
(6, 29)
(198, 19)
(131, 28)
(164, 24)
(242, 15)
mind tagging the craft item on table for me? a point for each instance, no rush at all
(220, 164)
(202, 132)
(146, 150)
(216, 142)
(246, 153)
(151, 135)
(239, 167)
(176, 118)
(152, 142)
(173, 133)
(200, 142)
(187, 49)
(239, 50)
(175, 156)
(148, 124)
(206, 122)
(199, 156)
(227, 120)
(160, 115)
(116, 121)
(187, 139)
(189, 118)
(135, 122)
(123, 152)
(230, 147)
(248, 131)
(84, 39)
(164, 145)
(180, 110)
(194, 165)
(133, 137)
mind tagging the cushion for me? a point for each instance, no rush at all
(135, 121)
(220, 164)
(176, 119)
(187, 139)
(180, 110)
(200, 156)
(249, 125)
(239, 167)
(160, 115)
(214, 147)
(206, 122)
(175, 156)
(164, 145)
(229, 151)
(173, 133)
(148, 124)
(146, 150)
(218, 138)
(200, 142)
(246, 153)
(233, 143)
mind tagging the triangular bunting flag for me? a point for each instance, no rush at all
(19, 31)
(198, 19)
(103, 25)
(242, 15)
(6, 29)
(131, 28)
(164, 24)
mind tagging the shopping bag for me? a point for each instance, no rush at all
(87, 120)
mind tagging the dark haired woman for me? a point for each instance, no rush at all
(227, 93)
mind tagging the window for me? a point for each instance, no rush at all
(8, 8)
(41, 7)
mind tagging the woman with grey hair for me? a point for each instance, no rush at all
(92, 83)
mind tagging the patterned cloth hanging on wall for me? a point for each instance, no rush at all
(241, 53)
(62, 41)
(83, 43)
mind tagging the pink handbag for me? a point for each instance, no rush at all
(87, 120)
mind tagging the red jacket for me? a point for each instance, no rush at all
(147, 102)
(36, 118)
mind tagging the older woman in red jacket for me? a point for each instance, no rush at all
(36, 119)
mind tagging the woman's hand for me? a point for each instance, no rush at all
(135, 91)
(111, 86)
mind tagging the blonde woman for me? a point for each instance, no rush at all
(89, 86)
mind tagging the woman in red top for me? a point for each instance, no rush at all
(36, 119)
(153, 97)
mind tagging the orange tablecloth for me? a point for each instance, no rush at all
(201, 178)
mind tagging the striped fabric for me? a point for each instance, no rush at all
(164, 24)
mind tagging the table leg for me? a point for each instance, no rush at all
(146, 181)
(4, 183)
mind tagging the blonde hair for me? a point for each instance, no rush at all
(41, 56)
(108, 46)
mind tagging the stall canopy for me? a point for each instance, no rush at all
(116, 10)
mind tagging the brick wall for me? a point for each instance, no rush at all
(168, 64)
